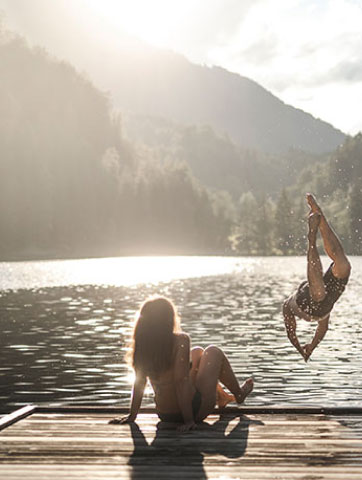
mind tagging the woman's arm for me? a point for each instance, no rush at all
(136, 399)
(320, 332)
(184, 389)
(291, 327)
(137, 395)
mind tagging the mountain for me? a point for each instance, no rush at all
(159, 83)
(152, 81)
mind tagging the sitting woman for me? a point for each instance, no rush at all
(185, 392)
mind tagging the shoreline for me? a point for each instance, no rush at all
(49, 258)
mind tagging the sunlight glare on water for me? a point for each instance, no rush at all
(115, 271)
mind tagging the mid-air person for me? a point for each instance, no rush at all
(314, 299)
(185, 382)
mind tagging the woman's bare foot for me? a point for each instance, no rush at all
(223, 398)
(246, 389)
(312, 202)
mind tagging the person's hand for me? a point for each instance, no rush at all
(307, 351)
(186, 427)
(122, 420)
(302, 352)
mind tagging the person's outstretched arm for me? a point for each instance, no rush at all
(136, 400)
(291, 327)
(320, 332)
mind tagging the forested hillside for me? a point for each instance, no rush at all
(70, 185)
(267, 191)
(79, 180)
(278, 225)
(214, 159)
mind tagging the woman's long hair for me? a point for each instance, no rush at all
(153, 336)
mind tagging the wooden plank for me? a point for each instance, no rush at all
(264, 446)
(8, 420)
(247, 473)
(228, 410)
(288, 410)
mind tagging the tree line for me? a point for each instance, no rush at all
(263, 194)
(268, 226)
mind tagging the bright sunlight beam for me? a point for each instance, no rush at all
(155, 21)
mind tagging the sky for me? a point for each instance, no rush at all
(307, 53)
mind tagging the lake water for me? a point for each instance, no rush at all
(66, 326)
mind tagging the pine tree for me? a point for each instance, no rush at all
(283, 228)
(263, 227)
(300, 227)
(245, 231)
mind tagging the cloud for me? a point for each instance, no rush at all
(209, 25)
(302, 38)
(307, 52)
(261, 51)
(347, 71)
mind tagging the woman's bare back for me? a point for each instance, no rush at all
(165, 392)
(164, 385)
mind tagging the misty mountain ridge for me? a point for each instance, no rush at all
(161, 83)
(147, 80)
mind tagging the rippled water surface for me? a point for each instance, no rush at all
(66, 324)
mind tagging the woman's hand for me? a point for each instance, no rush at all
(186, 427)
(307, 351)
(122, 420)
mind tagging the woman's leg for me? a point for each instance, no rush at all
(331, 243)
(314, 267)
(214, 367)
(196, 354)
(222, 397)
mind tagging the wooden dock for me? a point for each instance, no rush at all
(245, 443)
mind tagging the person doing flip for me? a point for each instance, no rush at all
(314, 299)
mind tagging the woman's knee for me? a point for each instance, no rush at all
(197, 351)
(196, 354)
(342, 268)
(213, 350)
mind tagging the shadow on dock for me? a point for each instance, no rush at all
(174, 449)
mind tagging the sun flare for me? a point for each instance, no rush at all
(155, 22)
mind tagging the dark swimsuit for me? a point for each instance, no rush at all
(334, 288)
(177, 417)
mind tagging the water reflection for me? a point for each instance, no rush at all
(66, 344)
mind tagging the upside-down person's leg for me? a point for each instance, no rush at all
(331, 243)
(314, 266)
